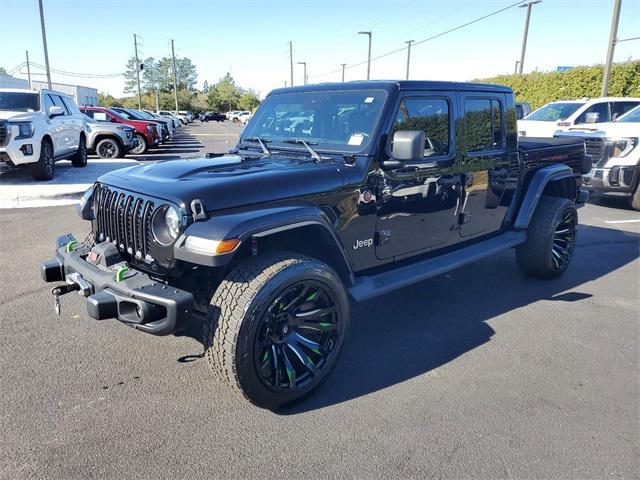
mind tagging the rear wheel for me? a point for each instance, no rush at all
(109, 148)
(45, 167)
(275, 327)
(79, 159)
(141, 145)
(634, 199)
(551, 238)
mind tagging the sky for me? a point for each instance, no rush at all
(250, 39)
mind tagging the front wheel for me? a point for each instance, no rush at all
(109, 148)
(45, 167)
(275, 327)
(141, 145)
(551, 238)
(634, 199)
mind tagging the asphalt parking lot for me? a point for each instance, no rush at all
(480, 373)
(19, 190)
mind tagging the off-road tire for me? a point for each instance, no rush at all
(79, 159)
(45, 167)
(236, 314)
(535, 256)
(109, 145)
(634, 199)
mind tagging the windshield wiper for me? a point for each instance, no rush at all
(262, 143)
(299, 141)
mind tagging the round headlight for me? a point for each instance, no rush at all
(165, 225)
(172, 221)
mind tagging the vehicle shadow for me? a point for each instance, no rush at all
(415, 330)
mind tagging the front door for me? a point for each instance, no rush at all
(417, 202)
(485, 164)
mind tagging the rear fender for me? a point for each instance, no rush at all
(556, 180)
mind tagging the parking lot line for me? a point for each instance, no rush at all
(623, 221)
(214, 134)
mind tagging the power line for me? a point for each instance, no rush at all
(433, 37)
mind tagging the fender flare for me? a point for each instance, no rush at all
(538, 183)
(254, 223)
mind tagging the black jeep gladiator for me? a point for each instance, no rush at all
(334, 193)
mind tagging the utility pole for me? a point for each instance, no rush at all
(28, 70)
(408, 42)
(135, 47)
(157, 99)
(369, 55)
(516, 69)
(44, 44)
(526, 31)
(343, 65)
(305, 71)
(175, 76)
(291, 61)
(612, 46)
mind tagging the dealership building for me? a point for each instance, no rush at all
(82, 95)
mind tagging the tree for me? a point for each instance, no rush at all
(224, 95)
(3, 72)
(130, 78)
(248, 101)
(159, 74)
(205, 87)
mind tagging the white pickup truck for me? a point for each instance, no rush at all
(40, 128)
(615, 150)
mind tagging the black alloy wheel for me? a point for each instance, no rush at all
(564, 239)
(297, 336)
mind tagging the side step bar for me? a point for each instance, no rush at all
(366, 287)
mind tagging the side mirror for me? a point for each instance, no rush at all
(592, 117)
(55, 111)
(408, 146)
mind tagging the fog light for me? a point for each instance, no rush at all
(27, 149)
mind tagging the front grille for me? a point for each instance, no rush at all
(596, 148)
(4, 134)
(125, 220)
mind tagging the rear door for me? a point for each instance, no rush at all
(76, 121)
(66, 126)
(485, 164)
(417, 202)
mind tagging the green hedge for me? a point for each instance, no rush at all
(539, 88)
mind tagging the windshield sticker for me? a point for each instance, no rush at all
(356, 139)
(368, 100)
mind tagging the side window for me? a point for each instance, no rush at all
(88, 113)
(482, 125)
(432, 115)
(71, 105)
(620, 108)
(47, 103)
(602, 109)
(58, 102)
(101, 116)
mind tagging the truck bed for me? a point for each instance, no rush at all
(541, 152)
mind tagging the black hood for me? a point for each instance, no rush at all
(228, 181)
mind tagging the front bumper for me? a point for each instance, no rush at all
(132, 297)
(619, 180)
(19, 151)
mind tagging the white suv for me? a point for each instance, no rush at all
(559, 116)
(39, 128)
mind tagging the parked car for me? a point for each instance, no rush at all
(39, 128)
(235, 116)
(176, 121)
(146, 131)
(129, 114)
(557, 116)
(214, 117)
(167, 122)
(522, 110)
(188, 115)
(244, 117)
(615, 152)
(109, 140)
(265, 257)
(230, 114)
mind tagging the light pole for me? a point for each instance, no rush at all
(343, 65)
(526, 31)
(612, 46)
(408, 42)
(44, 44)
(305, 71)
(369, 54)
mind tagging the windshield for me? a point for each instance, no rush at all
(19, 101)
(554, 111)
(342, 121)
(631, 116)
